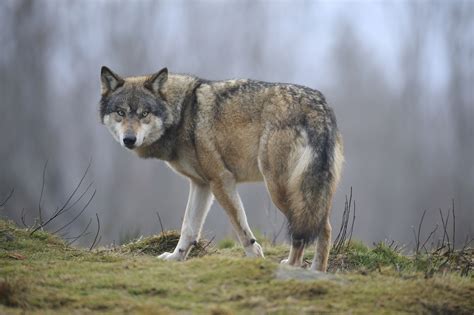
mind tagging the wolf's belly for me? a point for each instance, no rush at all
(239, 151)
(246, 170)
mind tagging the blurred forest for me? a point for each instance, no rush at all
(399, 75)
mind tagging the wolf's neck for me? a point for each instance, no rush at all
(180, 133)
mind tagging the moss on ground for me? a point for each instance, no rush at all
(41, 274)
(164, 242)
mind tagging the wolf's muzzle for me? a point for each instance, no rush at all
(129, 141)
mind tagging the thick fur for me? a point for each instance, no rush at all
(221, 133)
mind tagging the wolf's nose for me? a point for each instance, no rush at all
(129, 141)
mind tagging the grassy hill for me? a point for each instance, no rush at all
(41, 274)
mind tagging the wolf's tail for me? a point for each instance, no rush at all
(312, 183)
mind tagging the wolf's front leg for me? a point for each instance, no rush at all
(225, 191)
(199, 202)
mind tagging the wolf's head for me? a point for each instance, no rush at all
(134, 109)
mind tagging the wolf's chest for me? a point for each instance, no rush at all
(188, 167)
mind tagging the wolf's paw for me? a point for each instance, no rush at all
(170, 256)
(285, 262)
(254, 250)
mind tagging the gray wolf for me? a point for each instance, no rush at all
(221, 133)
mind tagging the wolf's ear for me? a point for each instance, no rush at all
(110, 80)
(156, 81)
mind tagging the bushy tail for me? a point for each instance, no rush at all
(313, 181)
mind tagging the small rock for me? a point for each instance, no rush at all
(285, 272)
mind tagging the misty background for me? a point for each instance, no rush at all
(398, 74)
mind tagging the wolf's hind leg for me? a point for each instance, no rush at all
(323, 247)
(199, 202)
(295, 258)
(225, 191)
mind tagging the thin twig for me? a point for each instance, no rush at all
(454, 227)
(419, 232)
(78, 215)
(79, 198)
(61, 210)
(40, 214)
(275, 235)
(97, 234)
(75, 239)
(445, 229)
(22, 218)
(83, 233)
(159, 219)
(336, 241)
(209, 243)
(342, 235)
(429, 236)
(352, 225)
(76, 188)
(10, 194)
(467, 242)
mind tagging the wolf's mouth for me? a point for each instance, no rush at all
(130, 146)
(129, 141)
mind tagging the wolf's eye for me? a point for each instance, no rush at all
(144, 114)
(121, 113)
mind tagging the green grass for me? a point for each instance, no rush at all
(40, 274)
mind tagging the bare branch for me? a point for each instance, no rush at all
(61, 210)
(78, 215)
(454, 227)
(83, 233)
(419, 232)
(275, 235)
(22, 217)
(467, 242)
(209, 243)
(78, 199)
(97, 234)
(10, 194)
(161, 222)
(342, 235)
(429, 236)
(40, 214)
(445, 229)
(353, 219)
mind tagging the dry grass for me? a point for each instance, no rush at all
(42, 274)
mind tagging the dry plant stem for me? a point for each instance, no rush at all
(161, 222)
(61, 210)
(83, 233)
(454, 227)
(208, 243)
(22, 217)
(445, 230)
(417, 236)
(78, 215)
(79, 198)
(97, 234)
(10, 194)
(429, 236)
(353, 220)
(277, 234)
(342, 235)
(40, 210)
